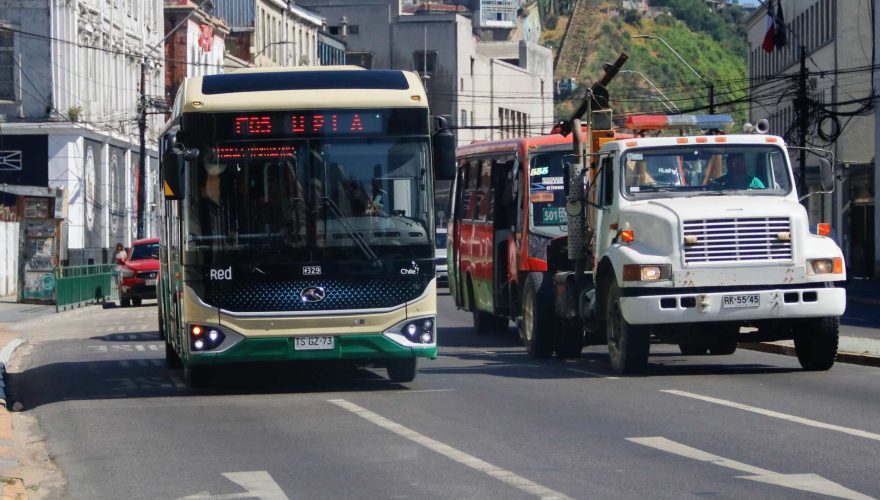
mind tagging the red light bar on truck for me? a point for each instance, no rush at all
(660, 122)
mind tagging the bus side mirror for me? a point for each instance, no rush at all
(443, 143)
(826, 172)
(173, 167)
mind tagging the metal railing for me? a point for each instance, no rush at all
(79, 285)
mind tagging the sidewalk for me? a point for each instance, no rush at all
(13, 313)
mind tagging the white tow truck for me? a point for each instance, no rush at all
(689, 238)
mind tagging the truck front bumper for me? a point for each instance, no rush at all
(683, 306)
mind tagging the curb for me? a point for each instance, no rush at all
(5, 355)
(842, 357)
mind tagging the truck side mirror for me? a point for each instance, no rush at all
(826, 172)
(443, 143)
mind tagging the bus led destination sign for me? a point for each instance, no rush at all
(308, 124)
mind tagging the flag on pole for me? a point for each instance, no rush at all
(769, 34)
(779, 27)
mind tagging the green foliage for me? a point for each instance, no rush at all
(713, 43)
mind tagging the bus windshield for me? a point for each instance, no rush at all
(310, 197)
(547, 192)
(712, 169)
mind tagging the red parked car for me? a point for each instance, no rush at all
(139, 272)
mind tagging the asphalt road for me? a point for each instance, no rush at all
(481, 421)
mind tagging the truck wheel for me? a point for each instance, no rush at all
(172, 360)
(197, 376)
(570, 341)
(538, 319)
(628, 345)
(485, 323)
(816, 343)
(693, 348)
(125, 302)
(136, 302)
(401, 369)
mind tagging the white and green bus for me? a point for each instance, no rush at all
(298, 219)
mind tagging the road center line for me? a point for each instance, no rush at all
(592, 374)
(776, 414)
(461, 457)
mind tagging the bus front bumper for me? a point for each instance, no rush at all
(366, 347)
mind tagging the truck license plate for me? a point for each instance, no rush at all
(734, 301)
(314, 343)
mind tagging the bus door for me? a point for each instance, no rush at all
(457, 216)
(503, 222)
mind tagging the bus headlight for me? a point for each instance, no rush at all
(415, 332)
(205, 338)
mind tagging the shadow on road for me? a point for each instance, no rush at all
(464, 336)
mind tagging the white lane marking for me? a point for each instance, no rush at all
(139, 347)
(812, 483)
(776, 414)
(177, 382)
(425, 390)
(124, 363)
(258, 484)
(592, 374)
(461, 457)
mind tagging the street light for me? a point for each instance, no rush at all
(708, 84)
(666, 102)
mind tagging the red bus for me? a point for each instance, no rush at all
(507, 228)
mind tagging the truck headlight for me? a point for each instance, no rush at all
(826, 266)
(646, 272)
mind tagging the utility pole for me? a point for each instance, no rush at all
(711, 98)
(141, 171)
(803, 120)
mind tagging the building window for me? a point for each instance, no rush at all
(425, 62)
(463, 118)
(7, 65)
(333, 30)
(354, 29)
(362, 59)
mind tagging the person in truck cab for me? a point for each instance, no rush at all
(737, 176)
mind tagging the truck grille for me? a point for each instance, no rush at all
(737, 239)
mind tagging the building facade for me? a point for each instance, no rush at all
(270, 32)
(485, 90)
(197, 47)
(836, 40)
(69, 109)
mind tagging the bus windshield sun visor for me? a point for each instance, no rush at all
(304, 80)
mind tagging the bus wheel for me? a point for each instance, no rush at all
(197, 376)
(161, 327)
(815, 342)
(694, 348)
(536, 328)
(172, 360)
(401, 369)
(628, 345)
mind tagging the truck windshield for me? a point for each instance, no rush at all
(712, 169)
(546, 189)
(310, 198)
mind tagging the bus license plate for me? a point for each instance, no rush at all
(734, 301)
(314, 343)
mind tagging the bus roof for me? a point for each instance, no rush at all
(512, 145)
(318, 87)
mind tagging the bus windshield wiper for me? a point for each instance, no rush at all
(365, 248)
